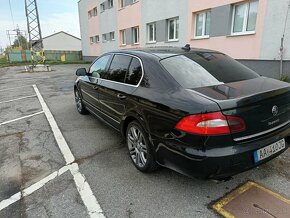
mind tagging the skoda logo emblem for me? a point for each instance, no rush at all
(275, 110)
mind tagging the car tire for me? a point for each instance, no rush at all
(79, 103)
(139, 148)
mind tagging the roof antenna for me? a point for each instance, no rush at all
(186, 47)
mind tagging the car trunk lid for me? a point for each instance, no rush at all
(263, 103)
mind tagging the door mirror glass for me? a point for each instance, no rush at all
(81, 72)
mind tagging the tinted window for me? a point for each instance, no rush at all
(135, 72)
(201, 69)
(119, 68)
(98, 68)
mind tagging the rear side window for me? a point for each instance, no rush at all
(202, 69)
(119, 68)
(135, 72)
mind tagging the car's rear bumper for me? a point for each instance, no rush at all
(216, 163)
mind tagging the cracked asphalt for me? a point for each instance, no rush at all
(29, 153)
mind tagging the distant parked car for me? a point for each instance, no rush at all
(198, 112)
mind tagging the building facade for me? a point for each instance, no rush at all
(247, 30)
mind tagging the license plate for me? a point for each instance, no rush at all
(269, 150)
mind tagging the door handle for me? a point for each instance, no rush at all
(121, 97)
(96, 87)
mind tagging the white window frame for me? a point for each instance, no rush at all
(138, 35)
(95, 11)
(112, 38)
(123, 37)
(104, 39)
(102, 6)
(168, 29)
(245, 22)
(203, 35)
(111, 3)
(97, 38)
(121, 4)
(154, 32)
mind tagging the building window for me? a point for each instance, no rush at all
(111, 3)
(91, 40)
(173, 29)
(104, 36)
(90, 14)
(122, 3)
(112, 36)
(135, 31)
(244, 18)
(96, 39)
(134, 1)
(202, 24)
(123, 37)
(151, 32)
(95, 11)
(102, 7)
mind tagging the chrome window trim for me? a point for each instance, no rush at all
(133, 56)
(261, 133)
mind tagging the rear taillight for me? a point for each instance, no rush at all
(211, 124)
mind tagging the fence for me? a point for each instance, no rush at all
(65, 56)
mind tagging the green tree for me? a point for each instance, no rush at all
(23, 42)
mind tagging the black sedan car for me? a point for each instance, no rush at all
(198, 112)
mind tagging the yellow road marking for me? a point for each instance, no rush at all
(219, 205)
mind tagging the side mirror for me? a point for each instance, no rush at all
(81, 72)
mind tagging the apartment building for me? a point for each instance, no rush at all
(248, 30)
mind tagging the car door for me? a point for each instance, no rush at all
(114, 91)
(89, 87)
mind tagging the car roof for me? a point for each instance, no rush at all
(163, 52)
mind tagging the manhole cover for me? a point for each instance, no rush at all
(255, 201)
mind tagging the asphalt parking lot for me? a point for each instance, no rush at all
(57, 163)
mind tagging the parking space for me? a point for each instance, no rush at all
(57, 163)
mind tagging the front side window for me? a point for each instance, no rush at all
(151, 32)
(173, 29)
(135, 72)
(135, 35)
(96, 39)
(90, 14)
(202, 24)
(91, 40)
(98, 68)
(201, 69)
(123, 37)
(119, 68)
(244, 18)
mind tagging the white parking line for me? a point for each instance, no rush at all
(63, 146)
(17, 99)
(84, 189)
(19, 87)
(21, 118)
(16, 197)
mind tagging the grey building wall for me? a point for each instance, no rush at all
(273, 30)
(108, 23)
(221, 21)
(158, 11)
(267, 68)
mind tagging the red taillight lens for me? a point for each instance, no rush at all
(211, 124)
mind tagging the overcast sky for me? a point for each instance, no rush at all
(55, 16)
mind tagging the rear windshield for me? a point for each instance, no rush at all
(202, 69)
